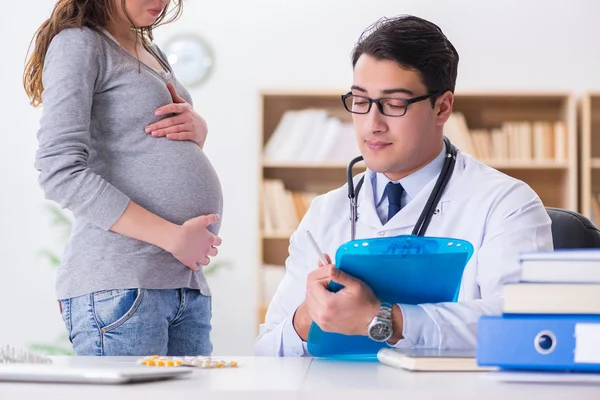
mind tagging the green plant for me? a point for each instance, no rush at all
(62, 223)
(58, 347)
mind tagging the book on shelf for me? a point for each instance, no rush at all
(523, 141)
(282, 210)
(313, 136)
(595, 211)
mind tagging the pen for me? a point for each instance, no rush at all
(315, 246)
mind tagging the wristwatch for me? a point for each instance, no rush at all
(380, 329)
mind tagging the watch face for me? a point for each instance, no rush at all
(380, 331)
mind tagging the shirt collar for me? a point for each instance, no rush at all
(412, 183)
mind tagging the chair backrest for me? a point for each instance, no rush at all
(571, 230)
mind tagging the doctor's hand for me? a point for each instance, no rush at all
(348, 311)
(193, 243)
(186, 124)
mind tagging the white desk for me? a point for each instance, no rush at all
(294, 378)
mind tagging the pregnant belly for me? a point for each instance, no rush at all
(174, 180)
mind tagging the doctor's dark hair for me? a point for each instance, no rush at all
(415, 44)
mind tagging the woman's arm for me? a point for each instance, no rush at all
(72, 69)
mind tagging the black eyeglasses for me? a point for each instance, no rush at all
(388, 106)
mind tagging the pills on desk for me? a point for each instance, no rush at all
(199, 362)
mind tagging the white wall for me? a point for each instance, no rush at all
(299, 44)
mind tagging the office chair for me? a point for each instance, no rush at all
(571, 230)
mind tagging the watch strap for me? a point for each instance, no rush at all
(385, 311)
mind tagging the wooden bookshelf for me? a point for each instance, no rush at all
(554, 180)
(297, 176)
(589, 113)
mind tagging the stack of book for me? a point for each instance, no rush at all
(513, 141)
(551, 318)
(282, 210)
(311, 136)
(314, 136)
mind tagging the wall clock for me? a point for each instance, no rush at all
(191, 58)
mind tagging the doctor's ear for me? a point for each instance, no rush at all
(443, 107)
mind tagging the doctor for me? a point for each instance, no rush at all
(402, 94)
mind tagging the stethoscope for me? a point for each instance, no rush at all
(434, 197)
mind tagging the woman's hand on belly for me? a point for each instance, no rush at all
(186, 124)
(194, 243)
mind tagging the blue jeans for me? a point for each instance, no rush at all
(139, 322)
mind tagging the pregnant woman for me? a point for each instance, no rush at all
(120, 145)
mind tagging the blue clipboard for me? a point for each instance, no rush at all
(404, 269)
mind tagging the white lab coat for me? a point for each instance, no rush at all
(499, 215)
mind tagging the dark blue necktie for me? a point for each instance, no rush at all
(394, 194)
